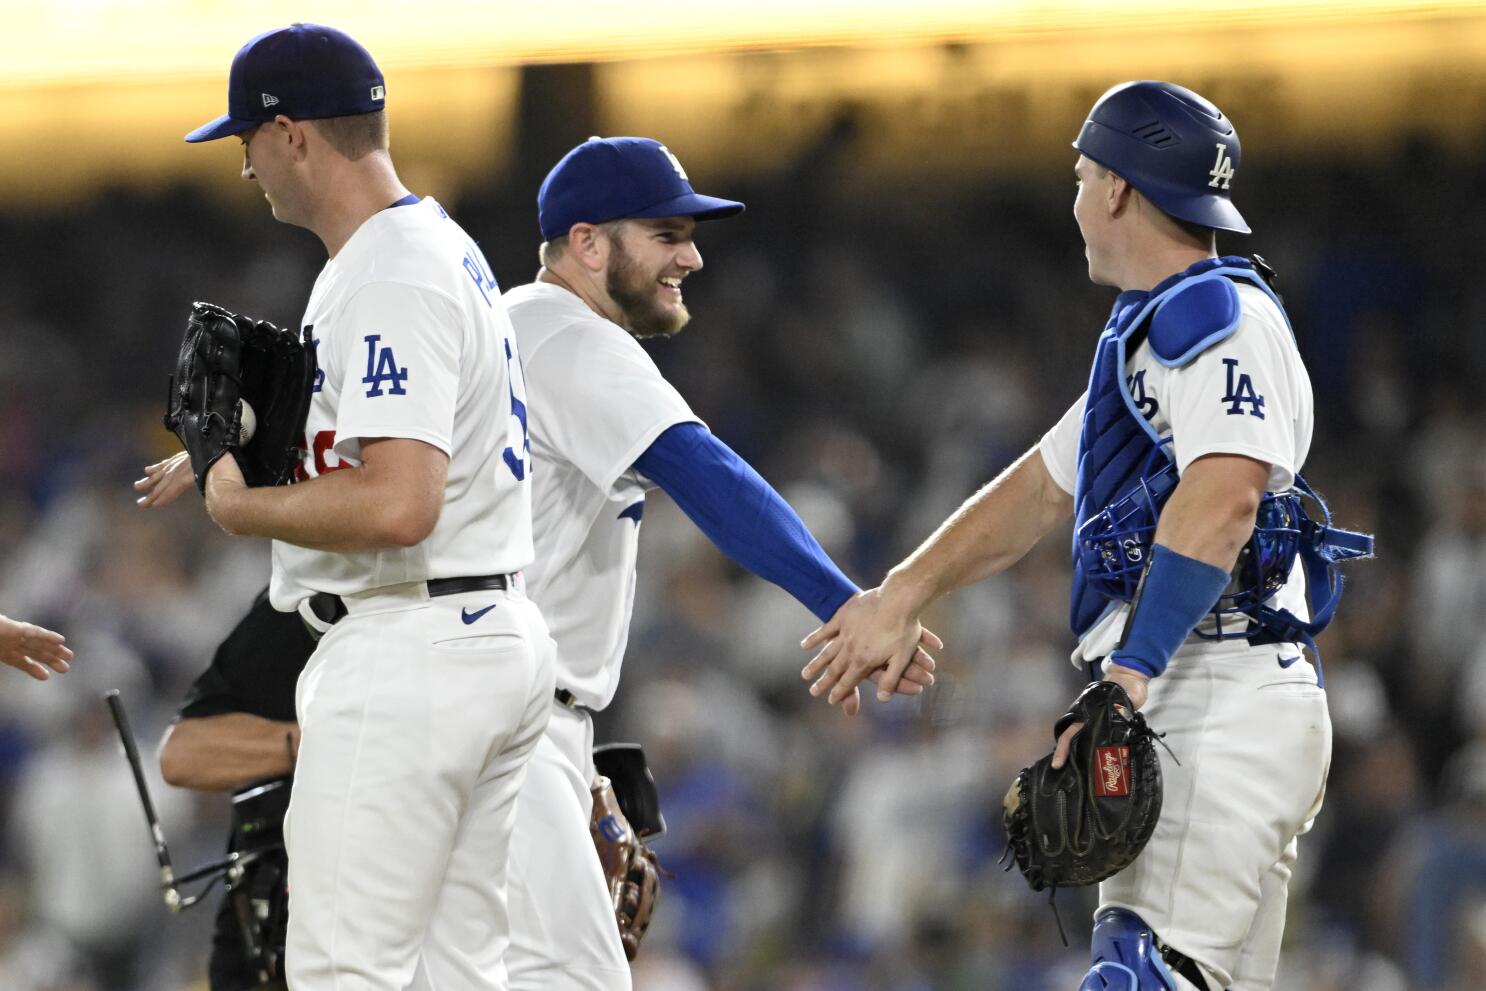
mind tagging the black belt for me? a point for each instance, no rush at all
(567, 699)
(330, 608)
(1185, 966)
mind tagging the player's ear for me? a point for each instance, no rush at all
(1120, 194)
(590, 245)
(290, 132)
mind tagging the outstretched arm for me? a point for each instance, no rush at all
(32, 649)
(988, 534)
(752, 524)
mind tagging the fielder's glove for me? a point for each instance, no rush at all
(629, 866)
(225, 358)
(1090, 818)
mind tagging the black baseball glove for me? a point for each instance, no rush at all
(226, 358)
(1090, 818)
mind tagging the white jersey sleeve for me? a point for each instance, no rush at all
(1248, 395)
(1059, 446)
(599, 397)
(403, 380)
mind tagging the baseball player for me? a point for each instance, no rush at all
(617, 217)
(235, 729)
(401, 544)
(33, 649)
(1196, 373)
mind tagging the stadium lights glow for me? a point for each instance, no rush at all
(51, 41)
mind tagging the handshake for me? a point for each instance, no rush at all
(874, 636)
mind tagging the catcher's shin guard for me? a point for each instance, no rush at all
(1125, 956)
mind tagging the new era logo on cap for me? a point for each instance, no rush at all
(303, 71)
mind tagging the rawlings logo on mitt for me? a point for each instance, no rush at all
(1089, 819)
(224, 359)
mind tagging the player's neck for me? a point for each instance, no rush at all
(358, 191)
(581, 287)
(1145, 269)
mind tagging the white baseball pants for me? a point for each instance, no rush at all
(563, 933)
(417, 724)
(1254, 741)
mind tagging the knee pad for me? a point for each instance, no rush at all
(1124, 956)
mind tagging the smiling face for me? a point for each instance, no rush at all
(647, 261)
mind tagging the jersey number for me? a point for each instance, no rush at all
(518, 462)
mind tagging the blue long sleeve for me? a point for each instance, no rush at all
(743, 515)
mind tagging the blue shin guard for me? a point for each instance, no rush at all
(1125, 957)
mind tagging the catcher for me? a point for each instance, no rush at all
(1200, 576)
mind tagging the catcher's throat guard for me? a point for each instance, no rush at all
(256, 868)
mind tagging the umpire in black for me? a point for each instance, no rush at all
(236, 732)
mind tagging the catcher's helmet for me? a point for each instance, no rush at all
(1172, 145)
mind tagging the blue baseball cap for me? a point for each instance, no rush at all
(303, 71)
(607, 179)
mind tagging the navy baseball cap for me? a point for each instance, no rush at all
(607, 179)
(303, 71)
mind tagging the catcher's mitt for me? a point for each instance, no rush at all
(629, 866)
(1090, 818)
(225, 358)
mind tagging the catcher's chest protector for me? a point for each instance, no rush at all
(1117, 446)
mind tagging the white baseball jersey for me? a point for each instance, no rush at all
(1247, 395)
(412, 342)
(597, 402)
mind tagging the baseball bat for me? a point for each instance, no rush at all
(173, 898)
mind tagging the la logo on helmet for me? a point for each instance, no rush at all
(1223, 170)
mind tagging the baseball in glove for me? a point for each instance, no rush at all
(1090, 818)
(226, 359)
(629, 866)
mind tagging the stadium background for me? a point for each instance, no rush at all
(901, 311)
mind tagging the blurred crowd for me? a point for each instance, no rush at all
(878, 350)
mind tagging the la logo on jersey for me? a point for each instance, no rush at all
(1223, 170)
(675, 163)
(1241, 392)
(381, 368)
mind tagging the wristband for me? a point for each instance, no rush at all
(1174, 595)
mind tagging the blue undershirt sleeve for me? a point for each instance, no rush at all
(743, 515)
